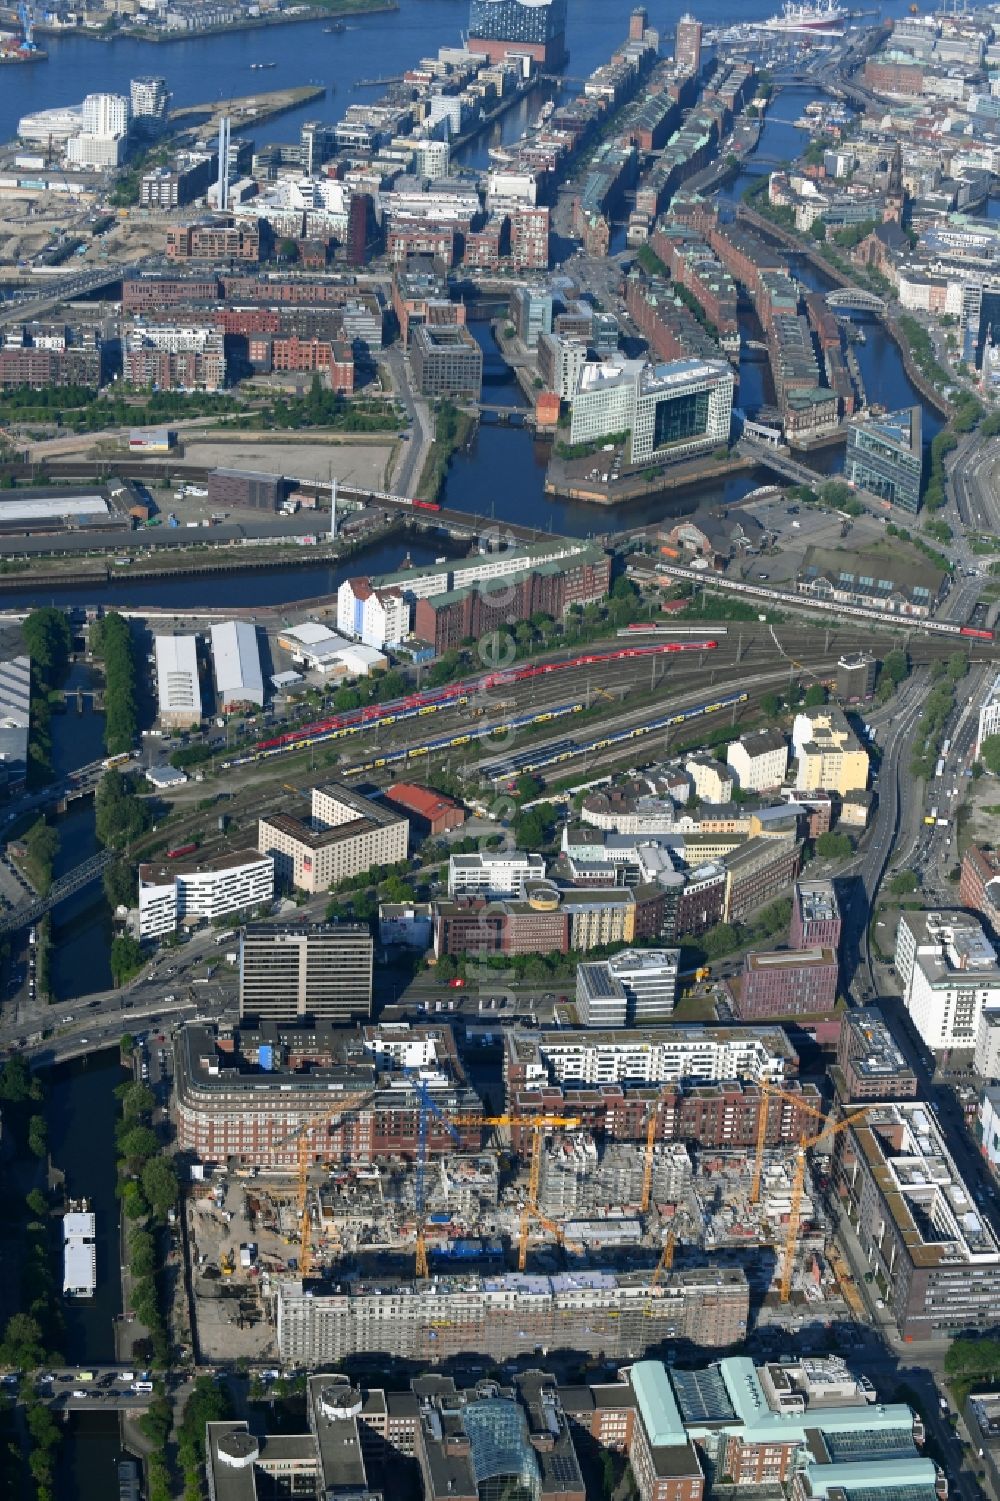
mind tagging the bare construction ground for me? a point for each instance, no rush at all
(361, 464)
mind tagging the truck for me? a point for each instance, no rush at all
(939, 768)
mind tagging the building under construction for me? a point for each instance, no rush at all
(618, 1315)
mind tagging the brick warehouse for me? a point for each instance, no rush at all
(444, 620)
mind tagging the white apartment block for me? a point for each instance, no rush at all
(987, 1057)
(378, 617)
(712, 784)
(173, 893)
(494, 876)
(656, 1055)
(759, 760)
(830, 756)
(949, 973)
(989, 715)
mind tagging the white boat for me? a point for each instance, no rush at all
(79, 1251)
(824, 15)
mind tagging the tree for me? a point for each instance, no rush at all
(903, 882)
(37, 1136)
(159, 1184)
(989, 753)
(137, 1101)
(16, 1084)
(47, 636)
(22, 1345)
(815, 696)
(770, 706)
(136, 1146)
(120, 885)
(126, 958)
(895, 667)
(833, 846)
(37, 1203)
(120, 816)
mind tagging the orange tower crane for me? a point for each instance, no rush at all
(798, 1186)
(537, 1125)
(304, 1136)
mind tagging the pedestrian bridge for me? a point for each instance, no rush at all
(856, 298)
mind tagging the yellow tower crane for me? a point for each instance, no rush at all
(798, 1185)
(538, 1125)
(770, 1091)
(647, 1166)
(304, 1136)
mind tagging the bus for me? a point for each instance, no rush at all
(222, 938)
(119, 760)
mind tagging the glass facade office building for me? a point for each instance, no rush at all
(536, 28)
(885, 456)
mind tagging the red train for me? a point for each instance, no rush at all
(971, 630)
(435, 698)
(181, 849)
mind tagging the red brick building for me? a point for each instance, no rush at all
(443, 620)
(979, 884)
(430, 810)
(529, 237)
(478, 927)
(213, 242)
(150, 293)
(787, 982)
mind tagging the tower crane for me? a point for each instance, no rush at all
(537, 1125)
(304, 1137)
(763, 1120)
(798, 1184)
(647, 1164)
(427, 1108)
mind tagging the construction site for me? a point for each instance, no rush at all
(292, 1261)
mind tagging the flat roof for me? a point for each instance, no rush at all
(177, 683)
(52, 509)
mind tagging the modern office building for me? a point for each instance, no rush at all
(446, 361)
(493, 875)
(178, 688)
(535, 29)
(933, 1254)
(320, 971)
(345, 835)
(616, 1314)
(687, 49)
(633, 988)
(760, 759)
(870, 1065)
(531, 312)
(239, 681)
(673, 409)
(787, 982)
(815, 915)
(560, 362)
(189, 891)
(830, 756)
(885, 456)
(949, 974)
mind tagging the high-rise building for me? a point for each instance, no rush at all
(222, 199)
(519, 28)
(148, 97)
(637, 23)
(885, 455)
(680, 408)
(687, 51)
(105, 115)
(319, 970)
(317, 142)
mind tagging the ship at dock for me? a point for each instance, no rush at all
(79, 1251)
(824, 15)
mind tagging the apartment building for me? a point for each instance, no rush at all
(949, 973)
(759, 760)
(345, 835)
(187, 892)
(378, 617)
(657, 1055)
(934, 1255)
(712, 784)
(615, 1313)
(870, 1065)
(245, 1093)
(989, 715)
(829, 755)
(322, 971)
(757, 872)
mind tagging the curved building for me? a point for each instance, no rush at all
(519, 28)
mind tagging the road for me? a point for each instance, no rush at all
(77, 1388)
(421, 436)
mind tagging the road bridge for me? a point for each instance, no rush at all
(62, 289)
(73, 881)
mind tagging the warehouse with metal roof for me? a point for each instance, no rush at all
(177, 688)
(236, 661)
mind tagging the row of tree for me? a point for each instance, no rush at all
(111, 639)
